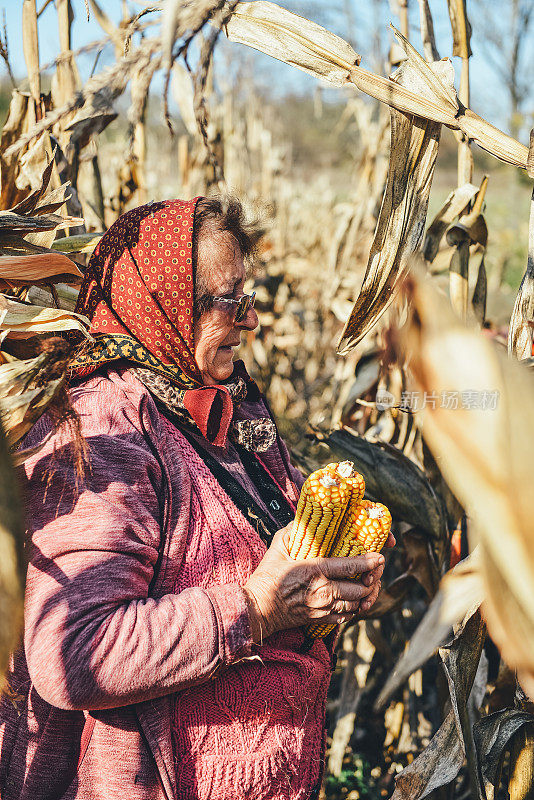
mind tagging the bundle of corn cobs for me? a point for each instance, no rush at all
(333, 519)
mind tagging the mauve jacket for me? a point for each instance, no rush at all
(113, 641)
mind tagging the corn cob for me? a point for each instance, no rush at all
(357, 490)
(332, 519)
(365, 529)
(322, 503)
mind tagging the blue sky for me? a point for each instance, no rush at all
(487, 93)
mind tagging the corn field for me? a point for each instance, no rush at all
(384, 339)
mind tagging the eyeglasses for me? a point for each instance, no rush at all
(242, 306)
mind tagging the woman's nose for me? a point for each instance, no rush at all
(250, 321)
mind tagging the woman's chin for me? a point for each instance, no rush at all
(222, 367)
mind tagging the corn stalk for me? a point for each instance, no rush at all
(12, 560)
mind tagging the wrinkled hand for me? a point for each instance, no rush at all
(283, 593)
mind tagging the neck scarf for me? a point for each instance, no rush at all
(138, 292)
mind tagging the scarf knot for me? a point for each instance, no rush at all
(256, 435)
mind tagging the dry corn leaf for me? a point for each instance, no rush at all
(521, 331)
(436, 766)
(493, 140)
(441, 760)
(484, 450)
(453, 207)
(94, 116)
(52, 200)
(492, 735)
(13, 244)
(18, 413)
(28, 205)
(17, 223)
(414, 148)
(392, 477)
(460, 594)
(14, 127)
(33, 162)
(25, 394)
(78, 243)
(38, 268)
(17, 375)
(292, 39)
(480, 293)
(12, 223)
(461, 659)
(23, 319)
(433, 81)
(182, 90)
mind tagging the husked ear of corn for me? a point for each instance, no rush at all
(333, 519)
(367, 524)
(322, 503)
(364, 528)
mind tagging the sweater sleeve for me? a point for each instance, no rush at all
(94, 636)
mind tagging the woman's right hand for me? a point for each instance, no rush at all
(283, 593)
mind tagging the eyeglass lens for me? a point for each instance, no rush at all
(245, 302)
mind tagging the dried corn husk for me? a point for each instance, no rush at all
(24, 395)
(414, 148)
(292, 39)
(486, 457)
(22, 320)
(521, 333)
(38, 268)
(79, 243)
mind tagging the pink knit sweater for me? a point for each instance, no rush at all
(135, 613)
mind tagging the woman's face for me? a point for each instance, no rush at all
(215, 333)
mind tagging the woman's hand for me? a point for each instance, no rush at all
(284, 593)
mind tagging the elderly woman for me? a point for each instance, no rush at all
(164, 653)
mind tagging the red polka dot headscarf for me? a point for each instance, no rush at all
(138, 292)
